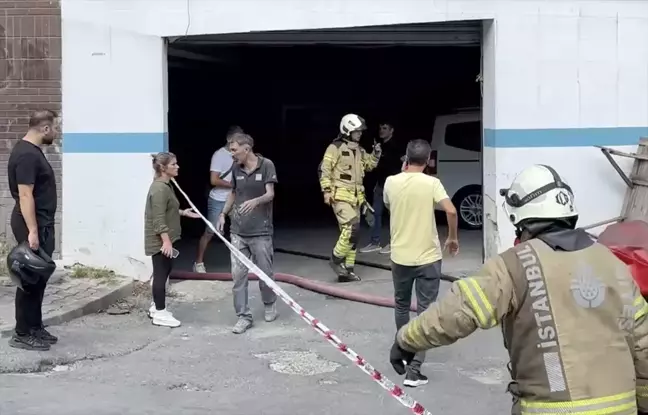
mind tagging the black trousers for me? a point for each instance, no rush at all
(29, 305)
(426, 280)
(162, 266)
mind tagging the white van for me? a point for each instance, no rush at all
(456, 155)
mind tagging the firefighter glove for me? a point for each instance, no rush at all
(327, 198)
(399, 358)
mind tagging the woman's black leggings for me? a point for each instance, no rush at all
(162, 266)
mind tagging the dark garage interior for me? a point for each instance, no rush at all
(290, 99)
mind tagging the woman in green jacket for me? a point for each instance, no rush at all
(161, 230)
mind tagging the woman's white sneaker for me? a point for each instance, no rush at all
(165, 318)
(151, 310)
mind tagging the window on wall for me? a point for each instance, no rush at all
(464, 135)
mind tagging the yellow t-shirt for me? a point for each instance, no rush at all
(411, 198)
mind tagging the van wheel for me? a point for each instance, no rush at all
(470, 207)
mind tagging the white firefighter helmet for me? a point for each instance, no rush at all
(350, 123)
(538, 192)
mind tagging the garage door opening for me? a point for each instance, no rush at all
(289, 90)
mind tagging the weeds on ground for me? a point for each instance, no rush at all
(4, 251)
(103, 275)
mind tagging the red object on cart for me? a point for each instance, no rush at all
(637, 261)
(639, 269)
(629, 242)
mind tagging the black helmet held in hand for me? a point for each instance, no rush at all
(28, 267)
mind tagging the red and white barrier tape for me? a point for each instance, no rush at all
(395, 390)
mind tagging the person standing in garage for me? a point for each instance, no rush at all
(33, 186)
(341, 173)
(388, 165)
(416, 252)
(249, 205)
(220, 178)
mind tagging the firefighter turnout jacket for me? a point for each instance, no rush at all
(573, 321)
(343, 169)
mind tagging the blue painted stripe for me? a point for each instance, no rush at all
(511, 138)
(564, 137)
(115, 142)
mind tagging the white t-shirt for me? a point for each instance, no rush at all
(221, 162)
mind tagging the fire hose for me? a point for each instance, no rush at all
(395, 390)
(297, 281)
(305, 283)
(370, 264)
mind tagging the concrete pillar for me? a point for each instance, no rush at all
(489, 159)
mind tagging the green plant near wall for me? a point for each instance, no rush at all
(5, 247)
(102, 275)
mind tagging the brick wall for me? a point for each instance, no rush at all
(30, 79)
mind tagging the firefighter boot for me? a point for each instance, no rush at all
(350, 276)
(337, 265)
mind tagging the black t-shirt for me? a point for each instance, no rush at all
(28, 165)
(390, 161)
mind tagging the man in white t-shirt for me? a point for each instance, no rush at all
(220, 177)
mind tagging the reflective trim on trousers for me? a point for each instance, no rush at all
(642, 391)
(619, 404)
(478, 302)
(641, 306)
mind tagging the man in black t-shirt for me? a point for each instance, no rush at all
(389, 164)
(33, 186)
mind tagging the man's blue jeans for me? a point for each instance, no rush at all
(378, 206)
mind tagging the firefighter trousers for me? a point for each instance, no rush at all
(348, 218)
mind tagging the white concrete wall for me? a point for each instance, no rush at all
(569, 75)
(114, 109)
(559, 76)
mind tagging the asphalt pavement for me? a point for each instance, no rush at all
(121, 364)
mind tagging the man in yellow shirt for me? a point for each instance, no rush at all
(416, 252)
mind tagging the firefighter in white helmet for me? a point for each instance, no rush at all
(341, 174)
(573, 319)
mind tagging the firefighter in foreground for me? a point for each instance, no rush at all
(573, 319)
(341, 172)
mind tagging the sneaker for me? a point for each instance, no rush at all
(241, 326)
(372, 247)
(199, 267)
(151, 310)
(44, 336)
(386, 249)
(28, 342)
(414, 379)
(270, 312)
(164, 318)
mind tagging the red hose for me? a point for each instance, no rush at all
(300, 282)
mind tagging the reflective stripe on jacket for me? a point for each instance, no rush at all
(621, 403)
(574, 324)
